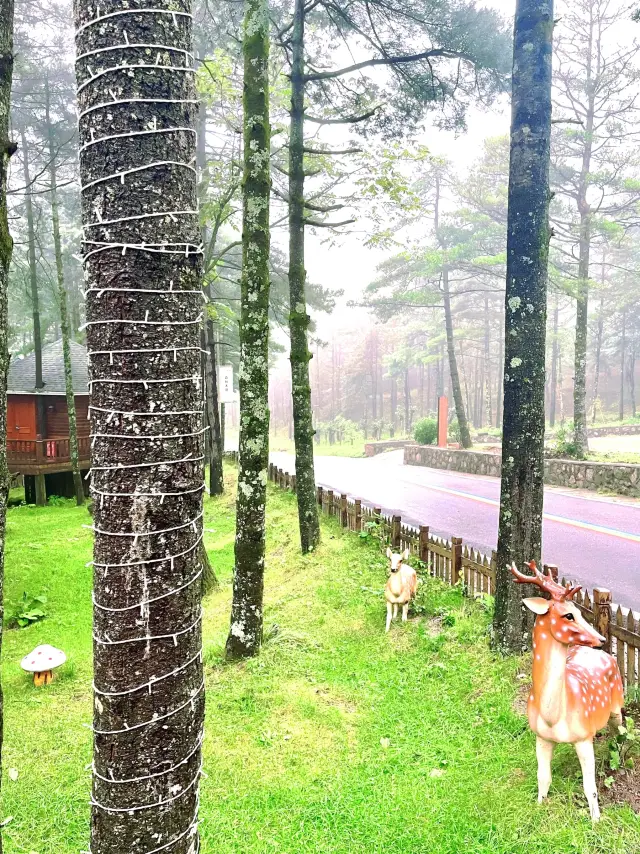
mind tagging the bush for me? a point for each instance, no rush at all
(425, 431)
(565, 444)
(454, 431)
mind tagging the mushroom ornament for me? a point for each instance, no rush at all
(42, 662)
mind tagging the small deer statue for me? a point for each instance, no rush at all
(401, 586)
(577, 689)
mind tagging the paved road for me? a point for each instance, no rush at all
(593, 539)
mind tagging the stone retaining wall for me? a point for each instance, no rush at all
(371, 449)
(619, 430)
(621, 478)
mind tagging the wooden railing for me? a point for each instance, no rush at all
(40, 452)
(454, 563)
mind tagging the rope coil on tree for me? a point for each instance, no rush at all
(144, 546)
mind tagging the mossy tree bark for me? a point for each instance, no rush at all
(553, 390)
(7, 149)
(142, 265)
(245, 634)
(520, 525)
(62, 299)
(298, 318)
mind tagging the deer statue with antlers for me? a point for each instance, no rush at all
(577, 689)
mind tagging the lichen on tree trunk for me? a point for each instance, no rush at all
(64, 313)
(520, 524)
(245, 633)
(298, 317)
(142, 267)
(7, 148)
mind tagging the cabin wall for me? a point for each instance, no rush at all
(58, 420)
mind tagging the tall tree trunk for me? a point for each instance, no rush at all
(520, 525)
(632, 379)
(245, 634)
(216, 441)
(488, 403)
(142, 266)
(33, 272)
(394, 406)
(553, 385)
(407, 402)
(465, 436)
(500, 373)
(41, 491)
(582, 297)
(623, 356)
(596, 368)
(7, 149)
(298, 318)
(64, 313)
(421, 377)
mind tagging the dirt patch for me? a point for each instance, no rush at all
(435, 626)
(624, 790)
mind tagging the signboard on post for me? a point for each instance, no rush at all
(225, 384)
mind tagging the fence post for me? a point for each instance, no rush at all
(551, 570)
(281, 478)
(396, 531)
(456, 559)
(287, 481)
(602, 614)
(320, 496)
(330, 502)
(344, 511)
(358, 511)
(294, 484)
(423, 547)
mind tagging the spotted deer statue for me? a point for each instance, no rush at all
(401, 586)
(577, 689)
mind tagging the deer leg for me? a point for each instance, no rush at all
(395, 611)
(405, 613)
(584, 749)
(389, 613)
(544, 752)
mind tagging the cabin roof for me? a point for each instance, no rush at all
(22, 372)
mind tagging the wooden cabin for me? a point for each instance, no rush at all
(38, 423)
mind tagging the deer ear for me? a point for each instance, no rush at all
(389, 553)
(537, 604)
(406, 555)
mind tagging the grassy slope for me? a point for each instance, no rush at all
(293, 751)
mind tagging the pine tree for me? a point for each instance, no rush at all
(142, 265)
(7, 149)
(520, 525)
(245, 635)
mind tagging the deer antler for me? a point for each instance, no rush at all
(544, 582)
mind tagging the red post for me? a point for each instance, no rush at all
(443, 421)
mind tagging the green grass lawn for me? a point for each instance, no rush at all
(320, 449)
(338, 738)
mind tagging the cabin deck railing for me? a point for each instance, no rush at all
(44, 452)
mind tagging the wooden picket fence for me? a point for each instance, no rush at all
(454, 563)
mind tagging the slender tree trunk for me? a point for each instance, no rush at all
(488, 403)
(520, 525)
(64, 314)
(465, 436)
(298, 318)
(216, 444)
(407, 403)
(421, 373)
(553, 386)
(142, 266)
(596, 368)
(245, 634)
(394, 406)
(500, 372)
(632, 379)
(7, 149)
(623, 356)
(428, 388)
(582, 298)
(33, 273)
(41, 490)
